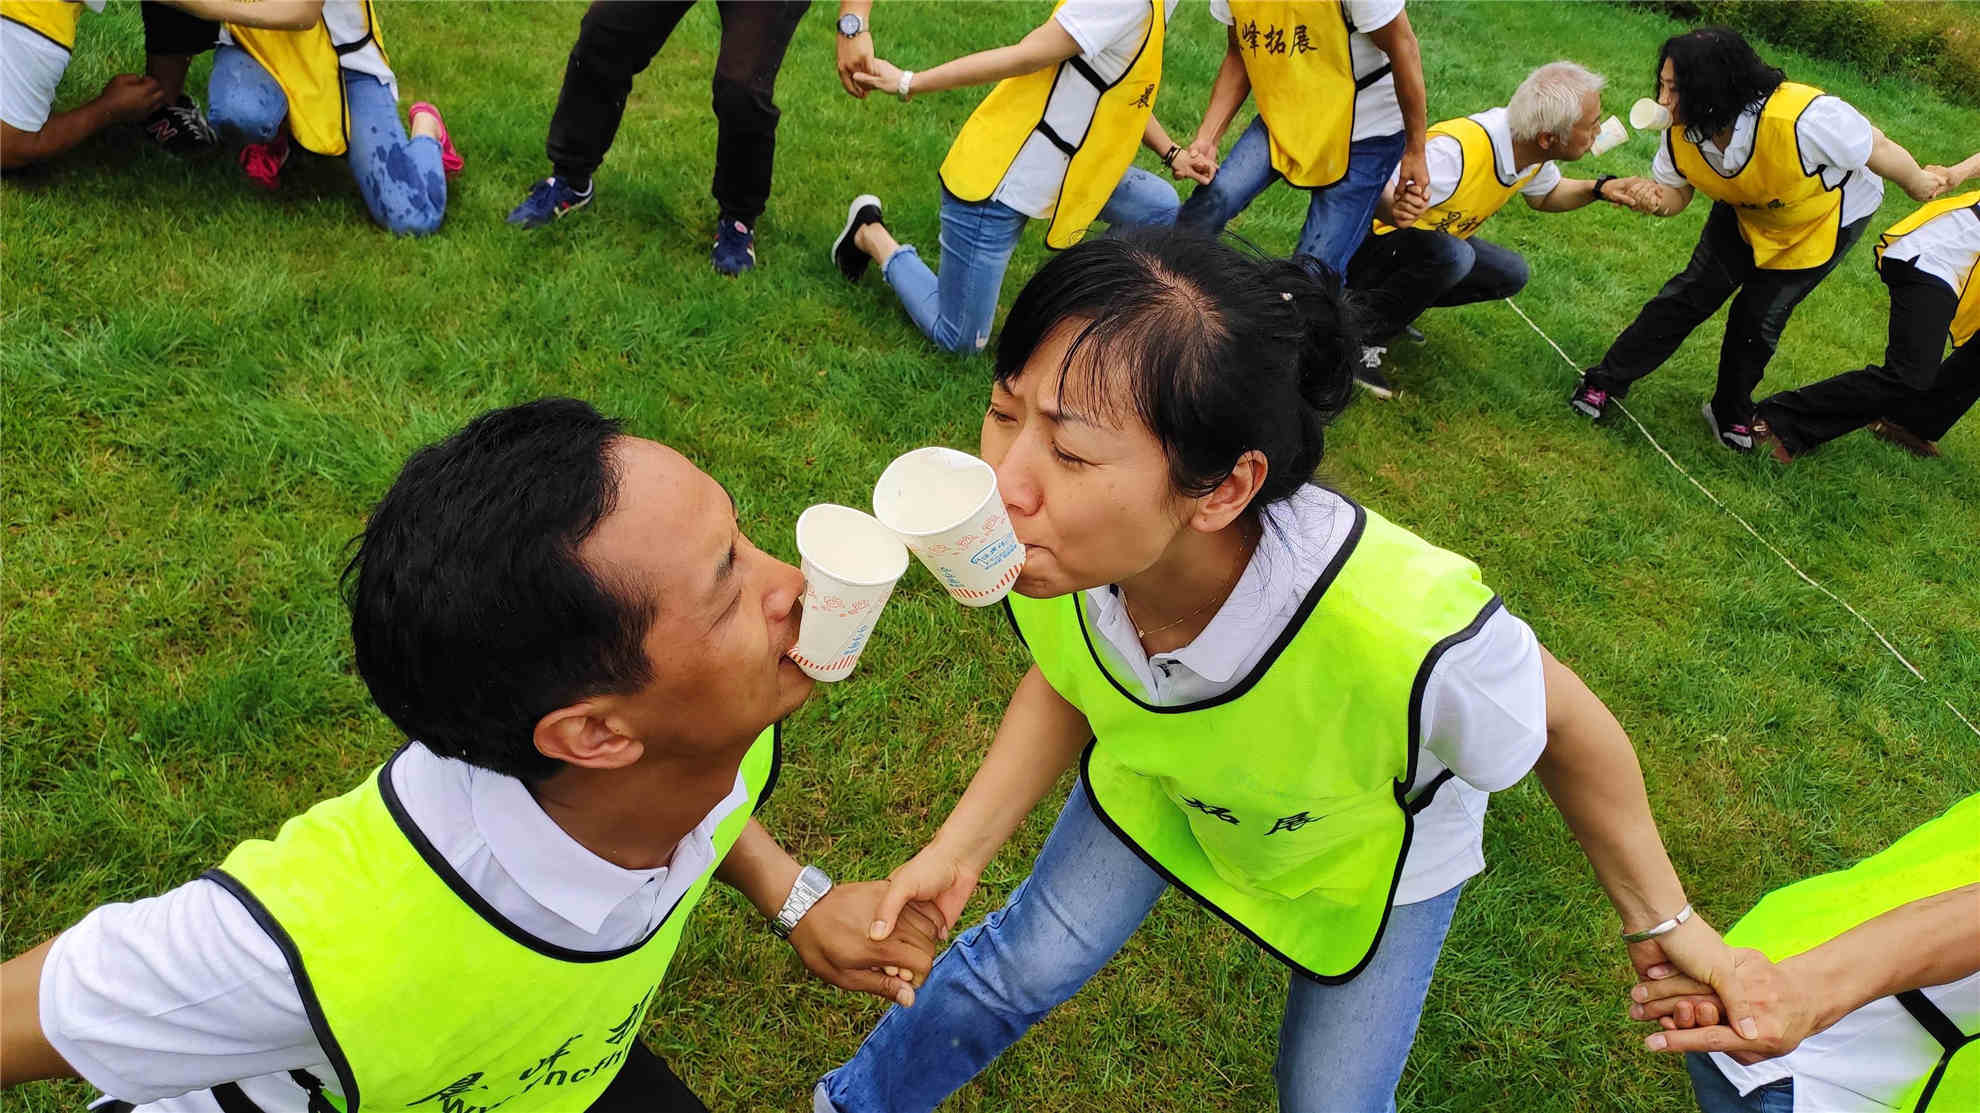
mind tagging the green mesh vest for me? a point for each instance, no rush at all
(425, 997)
(1281, 805)
(1938, 857)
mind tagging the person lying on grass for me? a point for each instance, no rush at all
(589, 658)
(1054, 140)
(1278, 702)
(314, 73)
(1863, 984)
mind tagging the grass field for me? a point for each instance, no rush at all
(204, 387)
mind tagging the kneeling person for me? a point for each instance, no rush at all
(589, 656)
(1420, 257)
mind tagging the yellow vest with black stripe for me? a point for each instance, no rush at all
(54, 20)
(1938, 857)
(1786, 214)
(1097, 155)
(1282, 805)
(1480, 190)
(306, 65)
(1966, 318)
(1302, 78)
(425, 997)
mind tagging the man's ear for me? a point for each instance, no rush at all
(584, 734)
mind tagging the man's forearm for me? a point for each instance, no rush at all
(1227, 94)
(25, 1054)
(759, 869)
(1926, 942)
(1406, 58)
(62, 132)
(1040, 736)
(860, 8)
(279, 15)
(1570, 194)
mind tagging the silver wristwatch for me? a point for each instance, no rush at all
(851, 26)
(811, 884)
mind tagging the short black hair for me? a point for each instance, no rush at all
(1225, 351)
(1718, 76)
(471, 612)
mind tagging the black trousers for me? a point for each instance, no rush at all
(1394, 278)
(1721, 267)
(168, 30)
(619, 38)
(1912, 387)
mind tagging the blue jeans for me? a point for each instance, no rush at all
(1337, 217)
(1341, 1047)
(400, 178)
(1716, 1095)
(956, 309)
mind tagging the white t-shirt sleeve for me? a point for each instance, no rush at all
(1484, 709)
(1444, 156)
(174, 993)
(1663, 169)
(1220, 10)
(1094, 24)
(1543, 183)
(1834, 134)
(1371, 15)
(31, 67)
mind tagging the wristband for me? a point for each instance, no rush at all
(1601, 181)
(1169, 160)
(1665, 928)
(907, 85)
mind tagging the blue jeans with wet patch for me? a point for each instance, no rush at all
(399, 177)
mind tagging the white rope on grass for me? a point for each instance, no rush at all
(1744, 524)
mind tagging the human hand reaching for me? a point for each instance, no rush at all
(1193, 165)
(835, 943)
(935, 879)
(129, 97)
(855, 58)
(882, 75)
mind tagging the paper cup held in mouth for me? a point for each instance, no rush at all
(945, 506)
(1648, 115)
(851, 564)
(1610, 137)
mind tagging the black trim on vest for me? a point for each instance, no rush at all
(1372, 76)
(231, 1099)
(353, 47)
(1010, 616)
(1052, 137)
(305, 989)
(776, 765)
(317, 1102)
(1423, 799)
(1091, 75)
(438, 863)
(1942, 1029)
(70, 51)
(1492, 147)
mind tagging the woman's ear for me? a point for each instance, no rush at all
(1221, 507)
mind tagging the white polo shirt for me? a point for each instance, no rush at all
(1109, 34)
(156, 1001)
(1945, 247)
(1834, 138)
(1376, 110)
(1484, 711)
(1444, 156)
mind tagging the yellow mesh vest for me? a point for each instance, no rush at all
(1966, 319)
(423, 996)
(1480, 191)
(54, 20)
(1097, 157)
(304, 63)
(1281, 805)
(1302, 79)
(1786, 214)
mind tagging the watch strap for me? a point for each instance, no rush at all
(812, 884)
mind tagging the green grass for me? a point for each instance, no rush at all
(205, 386)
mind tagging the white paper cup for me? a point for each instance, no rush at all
(851, 564)
(944, 505)
(1612, 135)
(1648, 115)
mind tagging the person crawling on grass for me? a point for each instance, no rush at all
(1794, 174)
(1278, 702)
(313, 73)
(1425, 252)
(589, 657)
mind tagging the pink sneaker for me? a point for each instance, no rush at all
(450, 158)
(263, 162)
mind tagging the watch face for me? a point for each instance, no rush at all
(850, 25)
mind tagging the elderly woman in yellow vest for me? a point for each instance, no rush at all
(1477, 163)
(1794, 174)
(1279, 703)
(314, 73)
(1864, 985)
(1931, 262)
(37, 37)
(1055, 141)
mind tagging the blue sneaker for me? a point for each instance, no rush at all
(735, 247)
(548, 200)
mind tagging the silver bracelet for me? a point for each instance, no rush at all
(907, 85)
(811, 884)
(1655, 930)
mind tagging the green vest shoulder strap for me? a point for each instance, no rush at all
(1296, 836)
(425, 996)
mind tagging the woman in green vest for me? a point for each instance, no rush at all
(1881, 961)
(1280, 703)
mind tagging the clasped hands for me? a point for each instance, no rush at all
(1707, 996)
(836, 942)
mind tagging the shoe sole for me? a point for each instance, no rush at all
(1584, 409)
(555, 214)
(1712, 423)
(1377, 391)
(845, 233)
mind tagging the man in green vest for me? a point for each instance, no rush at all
(589, 657)
(1864, 983)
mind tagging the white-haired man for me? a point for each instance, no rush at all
(1423, 255)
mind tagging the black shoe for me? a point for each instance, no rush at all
(180, 130)
(846, 255)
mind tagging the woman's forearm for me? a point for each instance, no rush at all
(1040, 736)
(276, 15)
(1590, 771)
(1047, 45)
(1893, 163)
(1227, 93)
(1926, 942)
